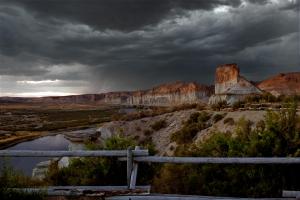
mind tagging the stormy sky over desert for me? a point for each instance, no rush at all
(70, 47)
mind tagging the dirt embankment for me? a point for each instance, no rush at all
(141, 129)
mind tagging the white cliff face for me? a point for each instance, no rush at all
(164, 95)
(168, 99)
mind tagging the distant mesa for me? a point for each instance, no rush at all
(230, 86)
(164, 95)
(282, 84)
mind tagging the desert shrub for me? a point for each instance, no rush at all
(196, 122)
(186, 134)
(100, 170)
(218, 117)
(253, 98)
(159, 125)
(220, 105)
(295, 98)
(263, 98)
(243, 127)
(136, 137)
(279, 138)
(229, 121)
(118, 142)
(260, 125)
(10, 178)
(200, 107)
(184, 107)
(172, 147)
(238, 104)
(148, 132)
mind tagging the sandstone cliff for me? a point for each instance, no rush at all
(230, 86)
(282, 84)
(172, 94)
(163, 95)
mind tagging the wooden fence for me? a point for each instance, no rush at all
(133, 157)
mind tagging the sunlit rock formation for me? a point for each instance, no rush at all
(282, 84)
(230, 86)
(172, 94)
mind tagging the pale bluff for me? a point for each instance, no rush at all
(229, 86)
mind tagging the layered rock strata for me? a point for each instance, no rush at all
(230, 86)
(163, 95)
(282, 84)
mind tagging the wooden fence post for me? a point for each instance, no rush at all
(129, 165)
(134, 172)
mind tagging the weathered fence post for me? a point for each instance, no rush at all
(129, 165)
(134, 172)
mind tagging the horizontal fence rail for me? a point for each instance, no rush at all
(86, 190)
(100, 153)
(218, 160)
(133, 157)
(289, 193)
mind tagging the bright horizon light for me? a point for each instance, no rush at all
(38, 82)
(37, 94)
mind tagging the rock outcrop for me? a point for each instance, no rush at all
(163, 95)
(172, 94)
(230, 86)
(282, 84)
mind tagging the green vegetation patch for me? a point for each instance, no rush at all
(10, 178)
(217, 117)
(229, 121)
(101, 170)
(278, 135)
(160, 124)
(197, 122)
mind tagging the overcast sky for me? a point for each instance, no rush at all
(60, 47)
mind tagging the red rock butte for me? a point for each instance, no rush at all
(230, 86)
(282, 84)
(227, 72)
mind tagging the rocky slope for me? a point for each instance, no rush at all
(141, 129)
(282, 84)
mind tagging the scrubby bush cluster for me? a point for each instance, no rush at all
(278, 135)
(266, 98)
(229, 121)
(197, 122)
(159, 125)
(219, 105)
(217, 117)
(10, 178)
(101, 170)
(155, 110)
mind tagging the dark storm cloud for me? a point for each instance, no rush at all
(126, 15)
(259, 1)
(122, 45)
(293, 5)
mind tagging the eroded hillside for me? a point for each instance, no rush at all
(159, 129)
